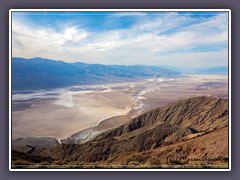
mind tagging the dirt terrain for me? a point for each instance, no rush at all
(200, 151)
(187, 133)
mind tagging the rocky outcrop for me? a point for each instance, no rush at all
(157, 128)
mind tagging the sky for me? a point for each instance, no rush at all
(179, 39)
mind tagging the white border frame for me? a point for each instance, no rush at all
(119, 10)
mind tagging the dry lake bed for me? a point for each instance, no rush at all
(74, 111)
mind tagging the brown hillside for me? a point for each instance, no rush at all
(157, 128)
(210, 149)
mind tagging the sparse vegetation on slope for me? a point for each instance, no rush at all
(167, 136)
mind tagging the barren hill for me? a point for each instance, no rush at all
(194, 127)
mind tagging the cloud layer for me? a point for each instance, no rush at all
(166, 38)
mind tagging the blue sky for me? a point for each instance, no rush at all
(180, 39)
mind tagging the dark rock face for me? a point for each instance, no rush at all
(156, 128)
(35, 142)
(28, 157)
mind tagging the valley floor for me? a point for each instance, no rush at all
(81, 112)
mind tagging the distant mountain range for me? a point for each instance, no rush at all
(212, 70)
(40, 73)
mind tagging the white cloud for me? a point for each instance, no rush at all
(146, 42)
(124, 14)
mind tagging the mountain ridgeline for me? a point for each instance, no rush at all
(191, 128)
(39, 73)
